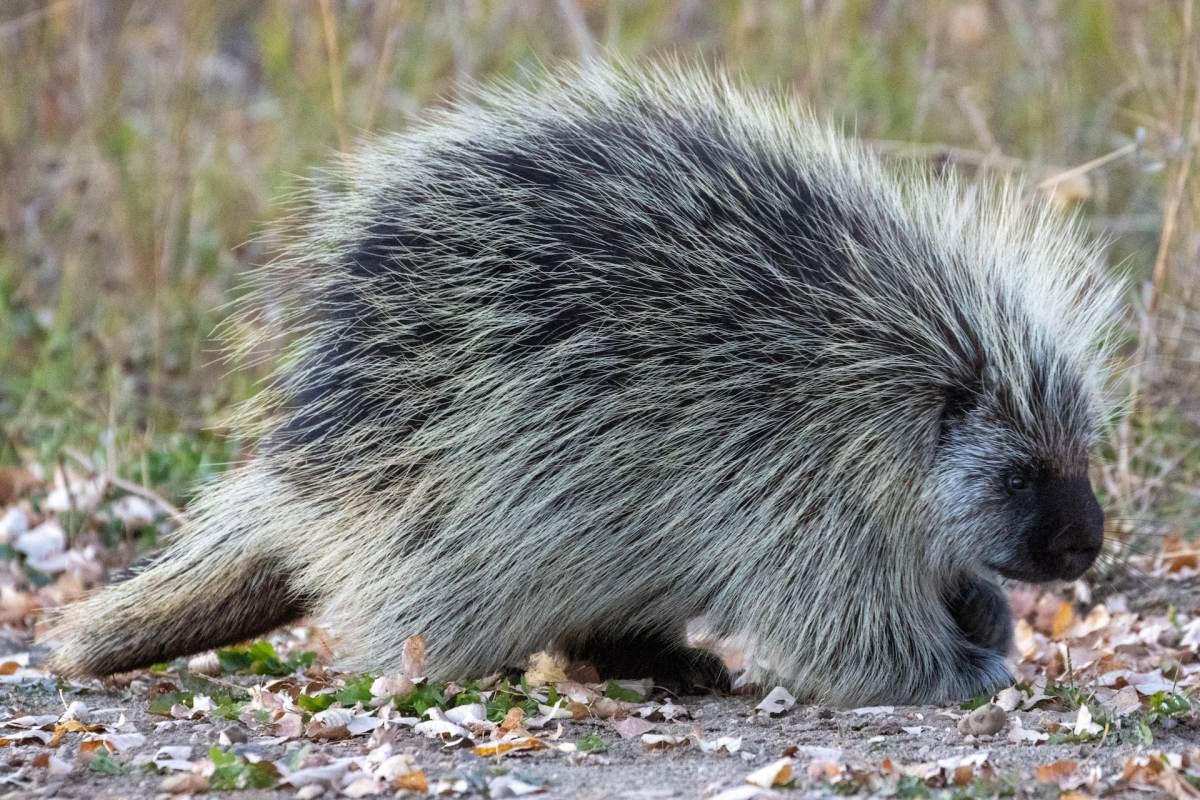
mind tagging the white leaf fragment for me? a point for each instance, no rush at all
(722, 744)
(777, 773)
(44, 547)
(777, 701)
(1084, 725)
(1018, 734)
(870, 711)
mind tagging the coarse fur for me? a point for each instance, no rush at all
(578, 364)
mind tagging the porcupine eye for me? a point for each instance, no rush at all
(1019, 482)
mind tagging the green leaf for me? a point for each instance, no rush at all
(591, 744)
(260, 775)
(300, 659)
(422, 698)
(1169, 705)
(358, 690)
(230, 710)
(105, 765)
(978, 701)
(234, 659)
(260, 658)
(616, 691)
(315, 703)
(231, 771)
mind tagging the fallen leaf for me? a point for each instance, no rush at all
(412, 662)
(15, 482)
(1057, 772)
(1084, 725)
(777, 701)
(513, 719)
(1018, 734)
(503, 746)
(388, 686)
(777, 773)
(632, 727)
(722, 744)
(1064, 617)
(544, 668)
(72, 726)
(663, 741)
(411, 782)
(870, 711)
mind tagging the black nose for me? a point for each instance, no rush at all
(1080, 528)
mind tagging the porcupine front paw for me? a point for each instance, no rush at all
(665, 659)
(980, 609)
(982, 615)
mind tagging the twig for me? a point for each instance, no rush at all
(959, 155)
(384, 64)
(329, 26)
(1087, 166)
(128, 486)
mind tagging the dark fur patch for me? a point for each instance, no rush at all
(575, 264)
(663, 656)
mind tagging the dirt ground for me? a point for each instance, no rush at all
(627, 769)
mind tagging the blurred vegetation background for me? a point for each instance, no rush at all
(144, 145)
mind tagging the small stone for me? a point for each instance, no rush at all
(986, 720)
(234, 734)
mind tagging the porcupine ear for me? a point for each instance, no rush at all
(967, 393)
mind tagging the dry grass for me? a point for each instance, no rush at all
(144, 144)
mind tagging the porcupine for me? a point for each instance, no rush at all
(574, 365)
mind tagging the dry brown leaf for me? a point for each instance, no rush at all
(513, 719)
(607, 708)
(15, 482)
(544, 668)
(632, 727)
(331, 733)
(411, 782)
(1064, 617)
(505, 746)
(412, 663)
(663, 741)
(71, 726)
(1057, 772)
